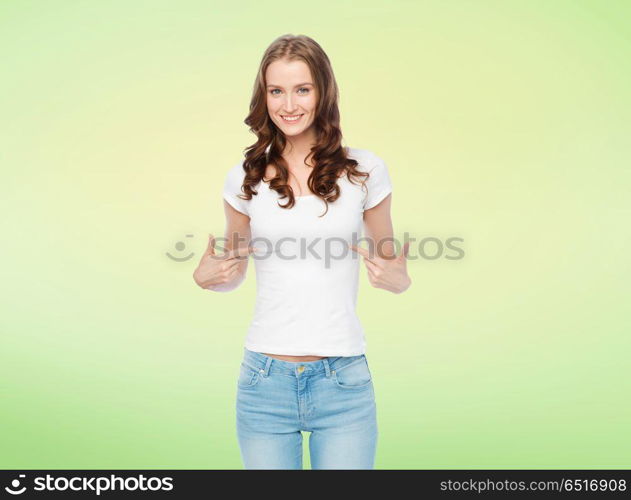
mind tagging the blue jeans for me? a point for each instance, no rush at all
(333, 398)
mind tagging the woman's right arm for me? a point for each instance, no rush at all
(224, 273)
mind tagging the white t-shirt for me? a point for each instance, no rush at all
(306, 276)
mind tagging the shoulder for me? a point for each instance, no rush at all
(378, 184)
(232, 188)
(236, 171)
(234, 177)
(367, 159)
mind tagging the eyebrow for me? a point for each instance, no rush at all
(299, 85)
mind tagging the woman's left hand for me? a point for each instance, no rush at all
(387, 273)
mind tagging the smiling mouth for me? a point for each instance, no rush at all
(291, 119)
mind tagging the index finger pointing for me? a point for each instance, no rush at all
(362, 251)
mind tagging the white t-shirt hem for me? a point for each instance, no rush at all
(235, 204)
(378, 199)
(316, 351)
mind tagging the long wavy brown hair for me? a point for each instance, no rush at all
(329, 158)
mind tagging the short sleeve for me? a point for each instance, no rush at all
(378, 184)
(232, 188)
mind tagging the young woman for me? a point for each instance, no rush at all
(296, 204)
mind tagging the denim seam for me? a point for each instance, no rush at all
(349, 387)
(255, 368)
(292, 375)
(353, 363)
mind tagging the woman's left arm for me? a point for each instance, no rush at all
(385, 269)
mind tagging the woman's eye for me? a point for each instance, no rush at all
(301, 88)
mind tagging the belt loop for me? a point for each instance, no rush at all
(267, 365)
(327, 369)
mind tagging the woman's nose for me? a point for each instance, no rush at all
(289, 105)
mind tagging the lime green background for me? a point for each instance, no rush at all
(505, 123)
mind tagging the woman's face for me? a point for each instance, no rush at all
(290, 93)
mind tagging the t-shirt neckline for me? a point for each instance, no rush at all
(297, 197)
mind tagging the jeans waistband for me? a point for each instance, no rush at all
(266, 364)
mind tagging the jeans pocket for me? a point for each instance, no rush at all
(355, 375)
(248, 377)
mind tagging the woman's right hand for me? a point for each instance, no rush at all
(214, 270)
